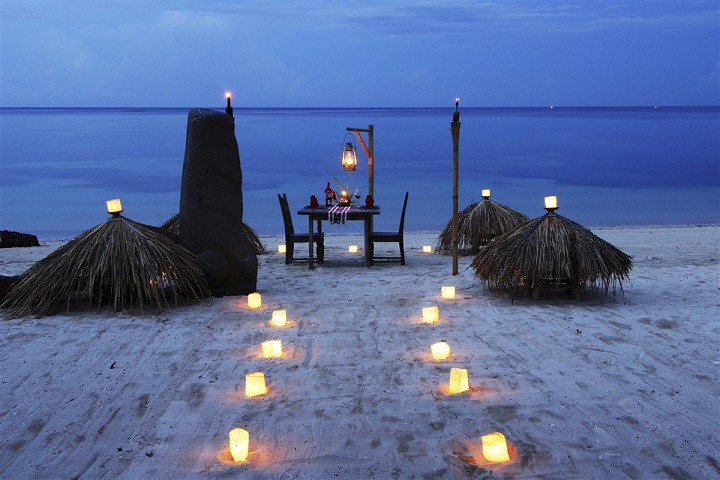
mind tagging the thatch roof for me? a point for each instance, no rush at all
(479, 223)
(551, 249)
(172, 227)
(120, 263)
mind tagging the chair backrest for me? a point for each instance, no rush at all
(402, 215)
(287, 217)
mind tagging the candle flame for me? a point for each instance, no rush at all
(228, 95)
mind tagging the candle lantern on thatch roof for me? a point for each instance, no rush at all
(551, 250)
(480, 222)
(119, 263)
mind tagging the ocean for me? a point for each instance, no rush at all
(624, 166)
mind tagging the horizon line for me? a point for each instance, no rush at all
(551, 107)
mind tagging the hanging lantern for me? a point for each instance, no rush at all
(494, 447)
(114, 207)
(440, 350)
(239, 444)
(272, 348)
(551, 203)
(348, 157)
(427, 248)
(255, 384)
(447, 292)
(282, 248)
(485, 193)
(353, 249)
(430, 314)
(458, 380)
(279, 318)
(254, 300)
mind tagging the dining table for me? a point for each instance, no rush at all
(340, 213)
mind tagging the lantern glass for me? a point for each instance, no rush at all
(239, 444)
(447, 292)
(353, 249)
(348, 158)
(458, 380)
(551, 203)
(114, 206)
(430, 314)
(440, 350)
(279, 318)
(254, 300)
(282, 248)
(272, 348)
(427, 249)
(494, 447)
(255, 384)
(485, 193)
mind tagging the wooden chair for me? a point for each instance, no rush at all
(391, 237)
(291, 238)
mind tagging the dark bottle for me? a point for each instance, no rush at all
(328, 195)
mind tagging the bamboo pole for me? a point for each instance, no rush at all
(369, 151)
(455, 131)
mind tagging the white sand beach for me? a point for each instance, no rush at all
(625, 386)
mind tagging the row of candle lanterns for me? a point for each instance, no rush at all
(494, 445)
(282, 248)
(238, 438)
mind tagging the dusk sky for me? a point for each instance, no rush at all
(386, 53)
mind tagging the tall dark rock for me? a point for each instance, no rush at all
(211, 204)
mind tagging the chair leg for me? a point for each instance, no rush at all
(289, 248)
(402, 251)
(321, 252)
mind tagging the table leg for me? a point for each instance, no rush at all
(310, 242)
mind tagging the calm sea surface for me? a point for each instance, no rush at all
(608, 166)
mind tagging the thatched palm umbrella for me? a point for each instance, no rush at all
(120, 263)
(551, 249)
(479, 223)
(172, 227)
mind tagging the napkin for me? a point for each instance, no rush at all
(369, 202)
(313, 201)
(338, 214)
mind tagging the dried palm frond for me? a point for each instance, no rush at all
(479, 223)
(551, 249)
(172, 227)
(120, 263)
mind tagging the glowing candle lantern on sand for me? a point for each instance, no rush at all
(427, 248)
(279, 318)
(430, 314)
(272, 348)
(447, 292)
(239, 444)
(254, 300)
(114, 206)
(440, 350)
(282, 248)
(353, 248)
(494, 447)
(255, 384)
(458, 380)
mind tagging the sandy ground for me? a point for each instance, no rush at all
(605, 388)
